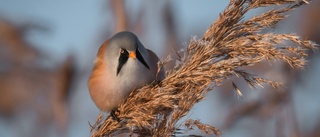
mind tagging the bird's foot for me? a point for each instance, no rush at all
(113, 115)
(156, 83)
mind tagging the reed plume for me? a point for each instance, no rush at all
(230, 44)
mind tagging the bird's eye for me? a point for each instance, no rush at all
(121, 50)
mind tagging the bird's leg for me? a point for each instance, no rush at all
(156, 82)
(113, 114)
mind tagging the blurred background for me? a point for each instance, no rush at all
(47, 49)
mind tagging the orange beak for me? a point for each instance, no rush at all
(132, 55)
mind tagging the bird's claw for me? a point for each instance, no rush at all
(113, 115)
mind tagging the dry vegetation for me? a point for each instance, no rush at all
(228, 45)
(24, 80)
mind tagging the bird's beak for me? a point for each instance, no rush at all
(132, 55)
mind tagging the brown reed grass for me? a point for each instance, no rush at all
(229, 44)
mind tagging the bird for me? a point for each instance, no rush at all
(122, 65)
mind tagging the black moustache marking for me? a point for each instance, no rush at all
(122, 60)
(140, 58)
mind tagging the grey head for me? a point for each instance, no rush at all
(121, 45)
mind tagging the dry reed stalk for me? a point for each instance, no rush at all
(120, 14)
(228, 45)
